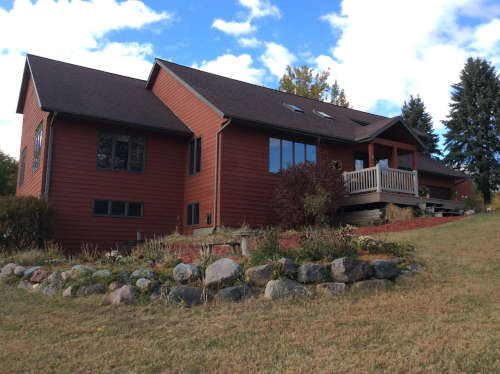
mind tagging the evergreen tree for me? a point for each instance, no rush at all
(303, 82)
(473, 125)
(338, 97)
(8, 174)
(415, 116)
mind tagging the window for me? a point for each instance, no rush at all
(360, 160)
(194, 161)
(293, 108)
(22, 167)
(38, 148)
(285, 153)
(384, 162)
(321, 114)
(115, 208)
(193, 214)
(121, 152)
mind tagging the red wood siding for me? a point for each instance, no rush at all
(204, 122)
(459, 188)
(33, 182)
(76, 183)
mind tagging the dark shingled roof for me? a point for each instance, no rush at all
(430, 165)
(80, 91)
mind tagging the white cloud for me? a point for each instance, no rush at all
(258, 9)
(249, 42)
(276, 58)
(69, 31)
(236, 67)
(390, 49)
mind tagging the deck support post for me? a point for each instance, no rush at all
(415, 182)
(371, 155)
(377, 173)
(394, 158)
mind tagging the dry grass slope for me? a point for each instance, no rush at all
(444, 321)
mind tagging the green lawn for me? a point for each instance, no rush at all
(446, 320)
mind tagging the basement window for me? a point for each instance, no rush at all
(193, 214)
(293, 108)
(22, 167)
(38, 148)
(121, 152)
(321, 114)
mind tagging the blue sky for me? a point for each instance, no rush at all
(380, 51)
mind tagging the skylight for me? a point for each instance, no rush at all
(295, 108)
(322, 114)
(362, 123)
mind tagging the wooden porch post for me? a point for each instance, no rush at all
(394, 158)
(414, 164)
(371, 155)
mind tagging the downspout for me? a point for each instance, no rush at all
(49, 157)
(216, 181)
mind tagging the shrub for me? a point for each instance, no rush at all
(267, 249)
(152, 250)
(475, 202)
(393, 213)
(25, 223)
(495, 202)
(327, 245)
(308, 194)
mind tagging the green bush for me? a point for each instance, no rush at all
(267, 249)
(25, 223)
(327, 245)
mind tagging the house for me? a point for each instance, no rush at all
(121, 158)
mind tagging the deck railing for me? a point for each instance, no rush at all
(381, 179)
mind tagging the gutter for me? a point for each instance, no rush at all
(216, 181)
(49, 156)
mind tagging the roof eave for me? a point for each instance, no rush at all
(24, 87)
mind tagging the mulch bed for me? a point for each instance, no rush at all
(416, 223)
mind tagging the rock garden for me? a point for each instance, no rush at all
(329, 263)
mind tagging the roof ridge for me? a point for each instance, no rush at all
(28, 55)
(273, 89)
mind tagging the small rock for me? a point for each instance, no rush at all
(78, 271)
(113, 286)
(405, 274)
(235, 294)
(36, 287)
(143, 284)
(311, 273)
(190, 296)
(398, 260)
(414, 268)
(288, 267)
(277, 289)
(124, 277)
(25, 284)
(331, 288)
(222, 272)
(28, 273)
(68, 292)
(38, 276)
(101, 274)
(372, 284)
(259, 275)
(470, 212)
(144, 273)
(49, 290)
(122, 295)
(19, 270)
(55, 276)
(65, 275)
(184, 273)
(383, 269)
(349, 270)
(90, 290)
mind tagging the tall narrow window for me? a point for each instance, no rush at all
(22, 167)
(274, 155)
(299, 153)
(121, 152)
(193, 214)
(286, 154)
(38, 148)
(310, 153)
(194, 158)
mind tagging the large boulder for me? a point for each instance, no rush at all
(372, 284)
(185, 273)
(189, 296)
(28, 273)
(144, 273)
(235, 294)
(93, 289)
(311, 273)
(38, 276)
(9, 268)
(278, 289)
(78, 271)
(331, 289)
(25, 284)
(122, 295)
(383, 269)
(259, 275)
(347, 270)
(56, 280)
(49, 290)
(19, 270)
(222, 272)
(146, 285)
(288, 267)
(101, 274)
